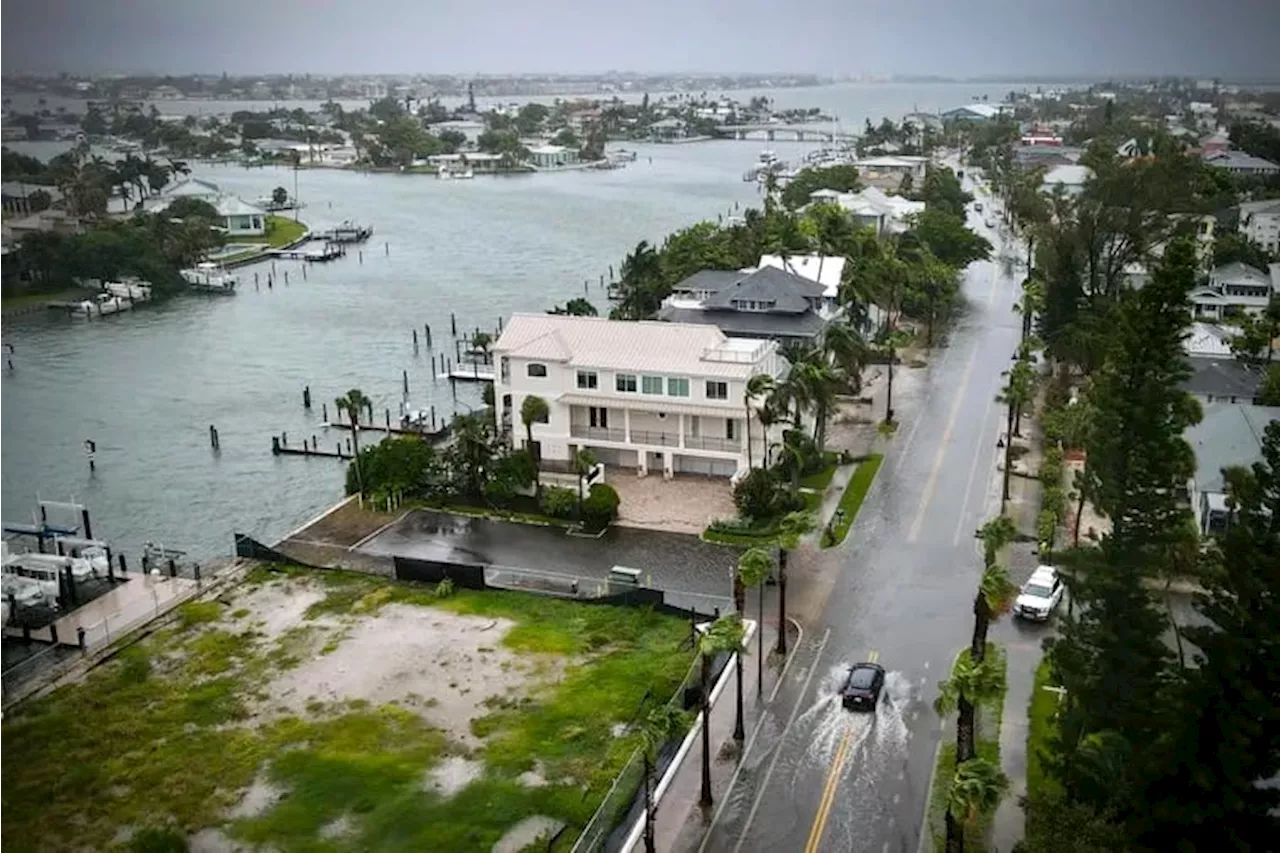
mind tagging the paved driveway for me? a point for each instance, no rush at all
(683, 504)
(675, 562)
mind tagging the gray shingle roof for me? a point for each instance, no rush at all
(709, 280)
(1229, 435)
(1223, 377)
(790, 292)
(749, 324)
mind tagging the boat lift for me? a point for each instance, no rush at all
(41, 528)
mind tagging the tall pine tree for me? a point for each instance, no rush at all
(1111, 656)
(1203, 792)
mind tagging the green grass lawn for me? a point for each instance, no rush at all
(168, 734)
(854, 493)
(20, 301)
(281, 231)
(820, 480)
(988, 746)
(1041, 714)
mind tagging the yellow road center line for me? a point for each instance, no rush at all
(932, 483)
(828, 794)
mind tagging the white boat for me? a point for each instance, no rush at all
(210, 277)
(135, 290)
(454, 173)
(102, 305)
(347, 232)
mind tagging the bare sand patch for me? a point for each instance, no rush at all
(526, 832)
(451, 663)
(278, 606)
(257, 799)
(452, 775)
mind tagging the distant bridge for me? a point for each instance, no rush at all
(799, 132)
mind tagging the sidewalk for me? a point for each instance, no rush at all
(1024, 653)
(679, 820)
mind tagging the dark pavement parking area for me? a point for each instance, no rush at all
(676, 562)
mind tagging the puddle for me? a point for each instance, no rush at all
(526, 832)
(452, 775)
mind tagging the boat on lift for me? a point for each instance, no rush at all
(210, 278)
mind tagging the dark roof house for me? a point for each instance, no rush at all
(1223, 380)
(768, 303)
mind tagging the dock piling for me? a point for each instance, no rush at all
(453, 323)
(306, 397)
(427, 327)
(387, 414)
(404, 375)
(415, 341)
(361, 254)
(268, 282)
(124, 565)
(387, 247)
(304, 272)
(499, 325)
(213, 437)
(324, 412)
(284, 439)
(339, 448)
(286, 276)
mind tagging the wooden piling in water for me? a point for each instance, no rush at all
(415, 340)
(427, 327)
(306, 397)
(404, 375)
(453, 323)
(324, 412)
(213, 437)
(387, 247)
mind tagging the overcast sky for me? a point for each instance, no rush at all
(945, 37)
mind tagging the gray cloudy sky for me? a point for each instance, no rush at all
(946, 37)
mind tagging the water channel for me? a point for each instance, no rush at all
(146, 385)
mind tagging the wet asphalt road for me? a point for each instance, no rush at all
(837, 781)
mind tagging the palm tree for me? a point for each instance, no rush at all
(976, 788)
(661, 725)
(1016, 393)
(768, 415)
(533, 410)
(583, 461)
(972, 682)
(353, 403)
(994, 598)
(995, 534)
(722, 635)
(793, 526)
(847, 350)
(753, 570)
(1031, 303)
(758, 386)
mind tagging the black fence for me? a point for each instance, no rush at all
(252, 549)
(467, 575)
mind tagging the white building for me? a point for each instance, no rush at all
(240, 218)
(874, 208)
(1071, 178)
(1260, 222)
(1241, 163)
(1233, 288)
(646, 396)
(552, 156)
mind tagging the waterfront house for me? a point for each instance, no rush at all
(1260, 222)
(897, 165)
(479, 162)
(1233, 289)
(1229, 435)
(1240, 163)
(552, 156)
(18, 197)
(973, 112)
(240, 218)
(769, 303)
(643, 396)
(668, 129)
(1217, 376)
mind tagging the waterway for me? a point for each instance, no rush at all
(146, 385)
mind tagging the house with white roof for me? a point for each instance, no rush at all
(1260, 222)
(1070, 178)
(1233, 288)
(240, 218)
(1240, 163)
(973, 112)
(645, 396)
(874, 208)
(895, 165)
(551, 156)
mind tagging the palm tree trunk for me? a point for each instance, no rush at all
(888, 399)
(955, 833)
(781, 648)
(705, 798)
(355, 448)
(1017, 420)
(966, 724)
(739, 730)
(1008, 453)
(649, 844)
(981, 622)
(750, 463)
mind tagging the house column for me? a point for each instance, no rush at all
(680, 428)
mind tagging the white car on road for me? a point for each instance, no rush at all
(1040, 595)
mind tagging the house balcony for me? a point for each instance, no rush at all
(655, 438)
(598, 433)
(723, 445)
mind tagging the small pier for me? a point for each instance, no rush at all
(278, 448)
(427, 434)
(330, 251)
(473, 372)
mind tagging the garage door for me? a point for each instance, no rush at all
(707, 467)
(614, 457)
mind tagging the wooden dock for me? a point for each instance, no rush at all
(437, 434)
(328, 252)
(474, 372)
(279, 449)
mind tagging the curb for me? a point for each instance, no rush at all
(633, 837)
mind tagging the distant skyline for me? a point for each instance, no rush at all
(976, 38)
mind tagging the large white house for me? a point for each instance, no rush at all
(1234, 288)
(646, 396)
(1260, 222)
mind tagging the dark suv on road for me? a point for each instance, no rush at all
(861, 689)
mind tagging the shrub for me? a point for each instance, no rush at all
(444, 589)
(151, 840)
(1051, 468)
(763, 494)
(1053, 501)
(559, 502)
(1046, 526)
(600, 506)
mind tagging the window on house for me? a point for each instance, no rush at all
(677, 386)
(730, 426)
(599, 416)
(650, 384)
(536, 370)
(625, 382)
(588, 379)
(717, 390)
